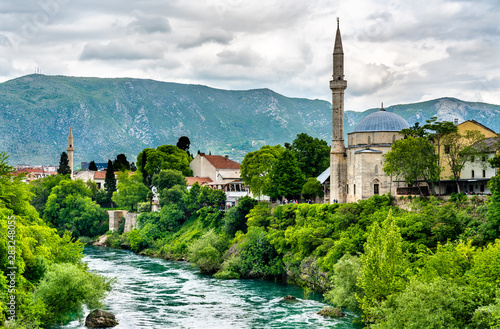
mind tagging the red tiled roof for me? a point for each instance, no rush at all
(33, 170)
(200, 180)
(100, 175)
(220, 162)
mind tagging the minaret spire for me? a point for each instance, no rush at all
(338, 165)
(70, 149)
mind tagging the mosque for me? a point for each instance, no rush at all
(356, 171)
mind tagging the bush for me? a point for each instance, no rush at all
(344, 281)
(206, 252)
(436, 304)
(65, 288)
(171, 218)
(235, 219)
(257, 258)
(144, 207)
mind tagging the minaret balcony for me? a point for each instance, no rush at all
(338, 84)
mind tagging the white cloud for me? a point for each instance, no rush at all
(395, 51)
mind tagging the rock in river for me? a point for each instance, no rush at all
(100, 319)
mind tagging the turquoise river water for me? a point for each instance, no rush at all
(155, 293)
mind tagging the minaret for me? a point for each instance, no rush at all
(70, 150)
(338, 163)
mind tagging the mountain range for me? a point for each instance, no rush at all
(126, 115)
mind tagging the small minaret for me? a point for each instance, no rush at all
(338, 163)
(70, 149)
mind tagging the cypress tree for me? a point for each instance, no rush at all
(64, 168)
(92, 166)
(110, 181)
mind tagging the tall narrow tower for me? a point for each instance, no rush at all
(338, 163)
(70, 149)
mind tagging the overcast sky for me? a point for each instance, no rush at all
(395, 51)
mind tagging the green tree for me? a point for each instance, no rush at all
(383, 266)
(256, 168)
(344, 283)
(493, 206)
(206, 252)
(176, 194)
(312, 189)
(440, 129)
(460, 150)
(64, 168)
(184, 143)
(41, 189)
(92, 166)
(110, 181)
(38, 249)
(69, 207)
(67, 287)
(168, 178)
(423, 164)
(152, 161)
(435, 304)
(286, 177)
(130, 191)
(414, 131)
(235, 219)
(312, 154)
(121, 163)
(171, 218)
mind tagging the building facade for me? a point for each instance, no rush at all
(356, 172)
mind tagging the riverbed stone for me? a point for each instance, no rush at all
(101, 242)
(100, 319)
(290, 298)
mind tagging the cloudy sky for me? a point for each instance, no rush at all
(395, 51)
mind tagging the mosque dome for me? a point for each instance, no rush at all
(381, 121)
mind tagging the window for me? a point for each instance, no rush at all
(447, 149)
(472, 159)
(98, 186)
(472, 174)
(375, 189)
(484, 173)
(347, 189)
(354, 189)
(483, 159)
(481, 188)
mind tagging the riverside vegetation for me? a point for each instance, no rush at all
(433, 264)
(40, 270)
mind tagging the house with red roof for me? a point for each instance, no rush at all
(216, 167)
(223, 173)
(32, 173)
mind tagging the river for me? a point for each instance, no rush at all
(155, 293)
